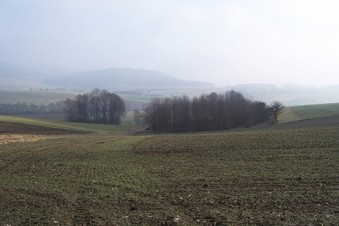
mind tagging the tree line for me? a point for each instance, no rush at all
(208, 112)
(23, 108)
(98, 106)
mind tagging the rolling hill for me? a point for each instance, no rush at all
(126, 124)
(121, 78)
(307, 116)
(17, 77)
(59, 177)
(305, 112)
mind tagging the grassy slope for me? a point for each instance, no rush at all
(261, 177)
(309, 112)
(127, 125)
(317, 111)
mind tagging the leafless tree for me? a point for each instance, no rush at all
(204, 113)
(99, 106)
(276, 109)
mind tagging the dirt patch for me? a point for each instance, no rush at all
(11, 138)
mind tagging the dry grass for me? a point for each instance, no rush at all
(17, 132)
(11, 138)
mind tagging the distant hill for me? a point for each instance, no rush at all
(290, 94)
(16, 77)
(8, 71)
(122, 78)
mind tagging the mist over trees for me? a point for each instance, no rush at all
(98, 106)
(205, 113)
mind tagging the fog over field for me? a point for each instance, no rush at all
(223, 43)
(164, 112)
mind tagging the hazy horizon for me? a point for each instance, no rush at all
(222, 42)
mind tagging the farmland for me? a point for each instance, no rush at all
(271, 177)
(33, 97)
(127, 124)
(314, 111)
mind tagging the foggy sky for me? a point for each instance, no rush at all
(226, 42)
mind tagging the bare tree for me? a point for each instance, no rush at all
(99, 106)
(276, 109)
(204, 113)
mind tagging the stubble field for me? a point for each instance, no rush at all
(275, 177)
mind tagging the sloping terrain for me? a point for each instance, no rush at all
(19, 128)
(18, 132)
(57, 124)
(276, 177)
(315, 111)
(122, 78)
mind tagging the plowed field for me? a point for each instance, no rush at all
(282, 177)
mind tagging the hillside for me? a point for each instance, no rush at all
(314, 111)
(281, 177)
(127, 124)
(121, 78)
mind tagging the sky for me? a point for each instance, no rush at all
(225, 42)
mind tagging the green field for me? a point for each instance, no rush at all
(308, 116)
(317, 111)
(264, 177)
(126, 125)
(309, 112)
